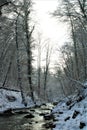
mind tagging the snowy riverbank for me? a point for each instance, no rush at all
(12, 99)
(71, 114)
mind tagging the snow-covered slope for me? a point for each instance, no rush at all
(71, 114)
(12, 99)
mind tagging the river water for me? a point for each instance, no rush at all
(19, 122)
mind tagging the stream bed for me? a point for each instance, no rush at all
(20, 122)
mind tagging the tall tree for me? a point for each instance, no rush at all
(18, 63)
(46, 68)
(28, 35)
(39, 65)
(74, 12)
(22, 9)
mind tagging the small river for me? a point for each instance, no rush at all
(19, 122)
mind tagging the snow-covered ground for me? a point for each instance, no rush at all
(71, 114)
(12, 99)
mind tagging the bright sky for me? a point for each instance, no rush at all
(47, 25)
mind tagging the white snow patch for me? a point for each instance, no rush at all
(6, 104)
(71, 124)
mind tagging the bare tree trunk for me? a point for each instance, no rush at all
(39, 66)
(29, 54)
(46, 69)
(84, 60)
(75, 49)
(18, 65)
(39, 82)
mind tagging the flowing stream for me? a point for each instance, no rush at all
(19, 122)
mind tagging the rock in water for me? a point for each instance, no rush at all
(48, 117)
(29, 116)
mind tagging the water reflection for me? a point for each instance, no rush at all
(18, 122)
